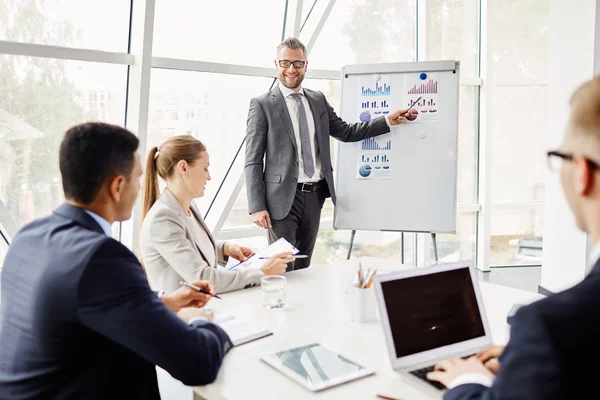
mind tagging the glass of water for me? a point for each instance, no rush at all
(273, 287)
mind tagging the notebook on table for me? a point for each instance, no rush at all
(239, 330)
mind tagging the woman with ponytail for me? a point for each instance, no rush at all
(175, 242)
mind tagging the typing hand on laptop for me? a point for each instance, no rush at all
(447, 370)
(442, 319)
(489, 357)
(423, 373)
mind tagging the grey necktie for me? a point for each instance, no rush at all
(307, 158)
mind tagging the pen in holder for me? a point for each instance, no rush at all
(361, 297)
(361, 301)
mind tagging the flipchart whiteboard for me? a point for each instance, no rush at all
(406, 180)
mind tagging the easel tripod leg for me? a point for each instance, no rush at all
(351, 243)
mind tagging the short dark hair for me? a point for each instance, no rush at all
(91, 153)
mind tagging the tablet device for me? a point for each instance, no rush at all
(315, 366)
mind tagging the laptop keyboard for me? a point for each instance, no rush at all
(422, 374)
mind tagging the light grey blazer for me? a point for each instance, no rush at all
(171, 252)
(271, 166)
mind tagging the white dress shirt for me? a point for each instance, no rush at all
(594, 255)
(292, 108)
(473, 377)
(104, 224)
(294, 112)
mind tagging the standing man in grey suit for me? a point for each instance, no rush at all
(288, 161)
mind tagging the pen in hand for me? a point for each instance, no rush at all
(290, 256)
(196, 288)
(414, 103)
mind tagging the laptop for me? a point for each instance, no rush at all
(430, 314)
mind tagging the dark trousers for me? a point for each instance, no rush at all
(301, 226)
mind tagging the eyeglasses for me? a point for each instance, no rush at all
(287, 63)
(556, 160)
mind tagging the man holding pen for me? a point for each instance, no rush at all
(79, 319)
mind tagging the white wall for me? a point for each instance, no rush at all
(572, 44)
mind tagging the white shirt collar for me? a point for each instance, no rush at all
(285, 91)
(104, 224)
(594, 255)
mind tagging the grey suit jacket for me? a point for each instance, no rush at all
(271, 166)
(171, 252)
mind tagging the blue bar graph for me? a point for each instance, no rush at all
(371, 144)
(375, 159)
(374, 104)
(384, 90)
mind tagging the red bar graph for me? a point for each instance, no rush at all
(425, 88)
(422, 103)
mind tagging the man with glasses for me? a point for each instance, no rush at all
(288, 161)
(550, 339)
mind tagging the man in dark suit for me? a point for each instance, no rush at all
(551, 339)
(288, 162)
(79, 318)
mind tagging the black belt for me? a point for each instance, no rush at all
(309, 186)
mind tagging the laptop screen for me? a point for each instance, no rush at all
(430, 311)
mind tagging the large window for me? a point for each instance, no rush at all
(42, 97)
(519, 115)
(39, 100)
(452, 33)
(3, 250)
(211, 107)
(219, 31)
(367, 31)
(92, 24)
(467, 145)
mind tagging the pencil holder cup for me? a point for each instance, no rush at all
(362, 304)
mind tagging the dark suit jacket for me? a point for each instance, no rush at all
(550, 342)
(271, 167)
(80, 321)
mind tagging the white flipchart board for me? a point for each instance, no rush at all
(404, 180)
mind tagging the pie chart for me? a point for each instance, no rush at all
(365, 171)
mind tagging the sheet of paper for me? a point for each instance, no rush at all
(279, 246)
(374, 155)
(423, 87)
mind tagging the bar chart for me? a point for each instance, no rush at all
(423, 95)
(424, 102)
(424, 88)
(374, 104)
(371, 144)
(375, 159)
(379, 90)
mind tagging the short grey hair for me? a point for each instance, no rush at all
(291, 43)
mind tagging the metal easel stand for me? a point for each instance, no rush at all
(351, 243)
(433, 241)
